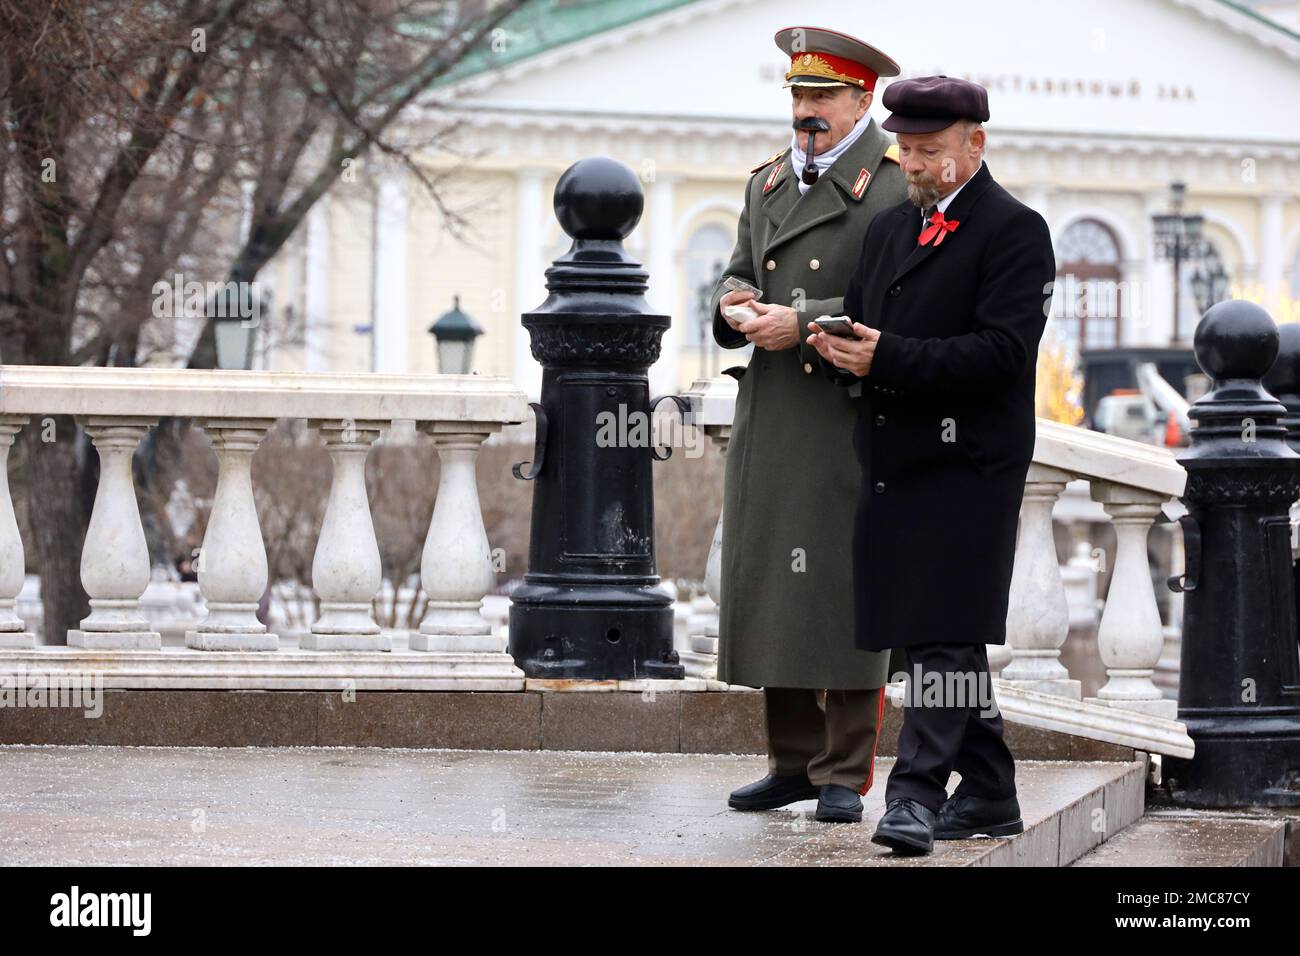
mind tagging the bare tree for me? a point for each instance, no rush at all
(135, 132)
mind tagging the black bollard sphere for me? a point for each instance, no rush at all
(598, 198)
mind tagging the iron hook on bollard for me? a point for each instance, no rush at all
(539, 447)
(683, 408)
(1191, 575)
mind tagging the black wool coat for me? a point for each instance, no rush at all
(945, 429)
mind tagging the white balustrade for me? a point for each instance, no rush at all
(13, 632)
(454, 646)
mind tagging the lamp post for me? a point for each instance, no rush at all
(453, 335)
(1178, 238)
(234, 332)
(1209, 282)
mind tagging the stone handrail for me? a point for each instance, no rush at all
(117, 406)
(1133, 482)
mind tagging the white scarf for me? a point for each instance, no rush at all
(822, 161)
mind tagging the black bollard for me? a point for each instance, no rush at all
(1239, 688)
(1283, 381)
(590, 606)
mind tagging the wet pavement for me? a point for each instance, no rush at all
(321, 806)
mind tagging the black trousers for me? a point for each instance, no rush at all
(947, 727)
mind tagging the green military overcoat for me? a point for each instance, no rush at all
(792, 478)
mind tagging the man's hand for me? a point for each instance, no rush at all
(733, 298)
(853, 354)
(776, 328)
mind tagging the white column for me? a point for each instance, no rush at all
(1136, 317)
(13, 632)
(115, 557)
(346, 571)
(232, 562)
(1271, 250)
(316, 300)
(1130, 636)
(530, 278)
(392, 311)
(1038, 618)
(1156, 325)
(701, 658)
(662, 294)
(456, 568)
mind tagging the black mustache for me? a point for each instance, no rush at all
(812, 124)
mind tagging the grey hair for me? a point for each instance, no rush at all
(968, 126)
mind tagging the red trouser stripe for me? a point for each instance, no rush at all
(880, 720)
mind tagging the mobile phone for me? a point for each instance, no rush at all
(840, 325)
(732, 284)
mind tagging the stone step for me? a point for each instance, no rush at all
(90, 806)
(596, 719)
(1068, 809)
(1197, 838)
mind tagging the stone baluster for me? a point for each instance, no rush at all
(13, 632)
(456, 567)
(346, 571)
(115, 556)
(1038, 618)
(701, 657)
(232, 562)
(1130, 636)
(1167, 667)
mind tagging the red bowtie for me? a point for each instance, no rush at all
(937, 230)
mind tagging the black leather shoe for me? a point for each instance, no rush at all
(964, 816)
(838, 804)
(907, 828)
(772, 792)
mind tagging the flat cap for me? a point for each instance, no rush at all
(927, 104)
(821, 57)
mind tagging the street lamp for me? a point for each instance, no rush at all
(1178, 238)
(234, 332)
(1209, 282)
(453, 335)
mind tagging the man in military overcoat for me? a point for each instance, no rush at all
(786, 621)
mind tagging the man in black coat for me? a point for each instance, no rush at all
(948, 304)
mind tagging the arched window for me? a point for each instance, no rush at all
(1088, 305)
(707, 253)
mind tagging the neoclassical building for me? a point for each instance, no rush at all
(1098, 106)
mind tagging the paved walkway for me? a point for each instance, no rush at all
(321, 806)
